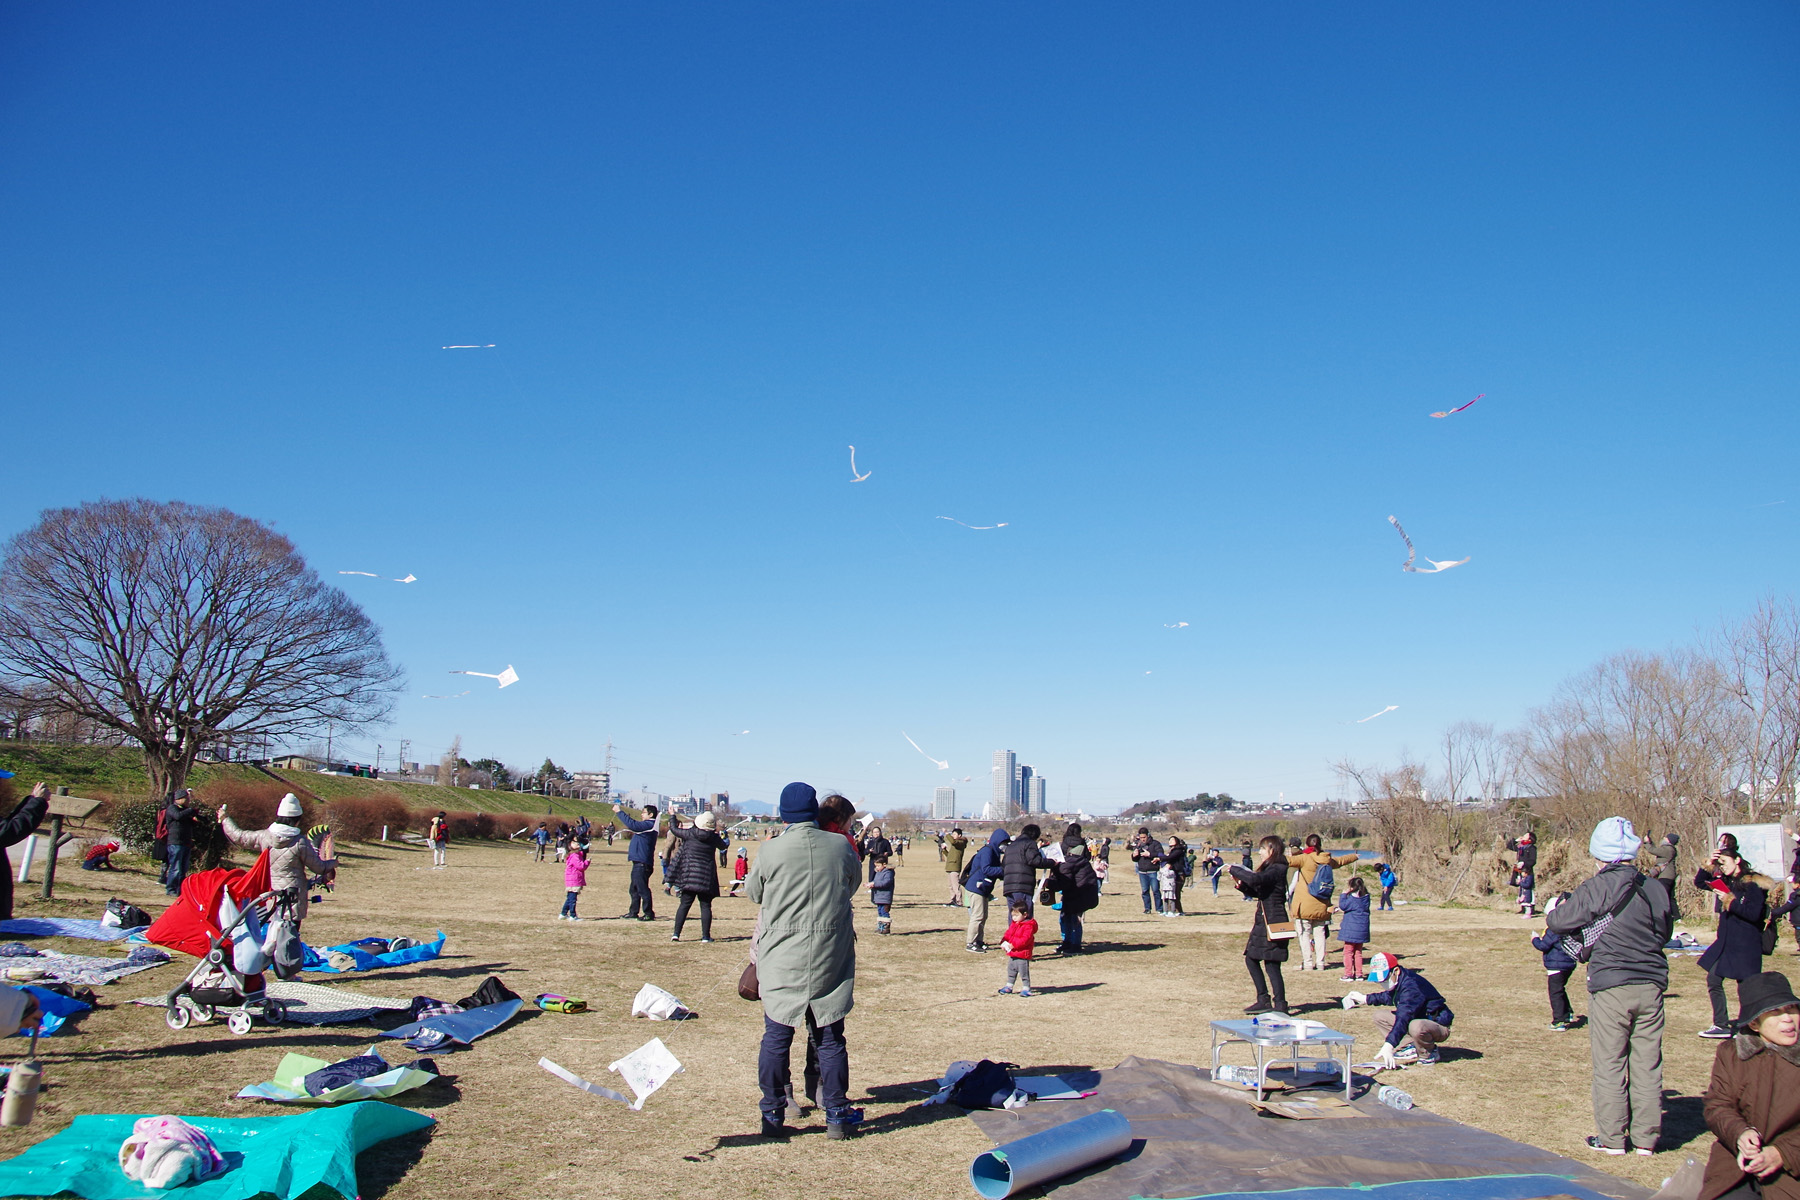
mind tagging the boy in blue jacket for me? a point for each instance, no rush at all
(983, 871)
(881, 893)
(1420, 1017)
(1559, 964)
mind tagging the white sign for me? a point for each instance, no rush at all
(1764, 847)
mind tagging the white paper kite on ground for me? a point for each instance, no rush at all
(1177, 625)
(966, 525)
(1411, 554)
(1384, 712)
(452, 696)
(1459, 408)
(593, 1089)
(854, 477)
(942, 764)
(507, 677)
(658, 1004)
(646, 1069)
(489, 346)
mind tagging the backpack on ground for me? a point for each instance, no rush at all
(1324, 882)
(121, 915)
(986, 1084)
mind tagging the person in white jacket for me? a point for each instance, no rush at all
(290, 853)
(18, 1009)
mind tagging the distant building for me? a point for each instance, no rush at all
(943, 803)
(720, 802)
(590, 784)
(1022, 788)
(1040, 798)
(1006, 787)
(992, 811)
(298, 762)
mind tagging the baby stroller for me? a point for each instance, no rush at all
(216, 920)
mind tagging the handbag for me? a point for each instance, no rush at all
(748, 986)
(1281, 931)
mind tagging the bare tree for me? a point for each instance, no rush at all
(1399, 815)
(177, 626)
(1760, 663)
(449, 764)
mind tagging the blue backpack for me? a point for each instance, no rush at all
(1324, 881)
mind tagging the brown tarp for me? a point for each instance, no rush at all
(1198, 1139)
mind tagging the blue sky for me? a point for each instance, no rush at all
(1170, 289)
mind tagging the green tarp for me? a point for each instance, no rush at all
(273, 1156)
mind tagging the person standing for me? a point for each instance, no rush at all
(985, 870)
(805, 959)
(1215, 867)
(17, 826)
(291, 853)
(1176, 859)
(1147, 857)
(1075, 881)
(952, 850)
(640, 852)
(1627, 976)
(1524, 876)
(1020, 863)
(696, 878)
(1389, 881)
(575, 866)
(1742, 901)
(874, 844)
(438, 834)
(540, 840)
(1666, 871)
(1267, 886)
(1312, 899)
(182, 820)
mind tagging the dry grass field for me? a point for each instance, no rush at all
(508, 1129)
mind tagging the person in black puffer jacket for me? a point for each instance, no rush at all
(1020, 862)
(694, 874)
(1075, 881)
(1736, 953)
(874, 844)
(1267, 885)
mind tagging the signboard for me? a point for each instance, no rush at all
(1765, 847)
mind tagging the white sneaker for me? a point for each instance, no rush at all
(1407, 1053)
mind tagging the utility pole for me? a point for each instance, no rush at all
(328, 728)
(405, 745)
(377, 758)
(606, 795)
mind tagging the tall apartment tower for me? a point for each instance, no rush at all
(1022, 789)
(943, 803)
(1006, 786)
(1040, 799)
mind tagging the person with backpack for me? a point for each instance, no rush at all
(952, 850)
(1388, 881)
(1312, 899)
(1620, 921)
(979, 877)
(438, 834)
(1742, 902)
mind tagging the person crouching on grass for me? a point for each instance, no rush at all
(881, 893)
(1420, 1018)
(574, 879)
(1019, 939)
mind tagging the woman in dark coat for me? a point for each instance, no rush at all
(1075, 881)
(14, 829)
(1736, 953)
(1267, 885)
(694, 874)
(1753, 1100)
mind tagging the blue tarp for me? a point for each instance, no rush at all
(94, 931)
(463, 1027)
(1484, 1187)
(279, 1156)
(314, 960)
(57, 1009)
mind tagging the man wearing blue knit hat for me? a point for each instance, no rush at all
(1620, 920)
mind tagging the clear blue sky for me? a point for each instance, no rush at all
(1171, 289)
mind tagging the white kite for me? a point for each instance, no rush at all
(507, 677)
(740, 733)
(1384, 712)
(645, 1070)
(457, 696)
(1435, 567)
(1177, 625)
(941, 764)
(966, 525)
(854, 477)
(489, 346)
(373, 575)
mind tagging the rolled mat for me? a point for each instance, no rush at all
(1056, 1151)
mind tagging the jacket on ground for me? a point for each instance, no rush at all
(985, 868)
(806, 947)
(1631, 950)
(1413, 999)
(1268, 887)
(1754, 1086)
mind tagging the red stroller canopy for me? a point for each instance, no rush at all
(190, 924)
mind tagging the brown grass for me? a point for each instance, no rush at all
(921, 1003)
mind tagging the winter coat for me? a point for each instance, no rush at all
(1308, 907)
(1665, 862)
(1146, 857)
(1754, 1086)
(873, 848)
(575, 869)
(17, 826)
(695, 868)
(1736, 953)
(1526, 852)
(881, 886)
(954, 849)
(1631, 950)
(1074, 878)
(1020, 862)
(1387, 876)
(985, 868)
(291, 855)
(1414, 999)
(1555, 957)
(1355, 927)
(642, 848)
(806, 950)
(438, 830)
(1020, 938)
(1268, 887)
(181, 823)
(1176, 855)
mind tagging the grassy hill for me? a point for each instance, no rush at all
(109, 773)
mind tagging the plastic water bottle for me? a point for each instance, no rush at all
(1393, 1097)
(1230, 1074)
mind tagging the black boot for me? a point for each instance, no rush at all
(1258, 1005)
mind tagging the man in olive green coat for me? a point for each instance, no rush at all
(955, 846)
(805, 958)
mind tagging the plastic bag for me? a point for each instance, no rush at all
(651, 1001)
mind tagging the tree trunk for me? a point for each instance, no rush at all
(168, 770)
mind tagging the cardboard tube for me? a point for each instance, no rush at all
(20, 1103)
(1057, 1151)
(25, 859)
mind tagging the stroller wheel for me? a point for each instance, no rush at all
(177, 1016)
(238, 1022)
(275, 1013)
(204, 1014)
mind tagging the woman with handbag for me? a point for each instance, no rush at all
(1270, 929)
(1742, 902)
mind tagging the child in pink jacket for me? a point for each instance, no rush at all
(574, 878)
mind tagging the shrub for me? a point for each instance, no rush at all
(508, 824)
(466, 826)
(134, 824)
(362, 818)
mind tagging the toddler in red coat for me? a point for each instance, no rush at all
(1019, 939)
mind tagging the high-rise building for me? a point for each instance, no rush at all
(1040, 800)
(943, 803)
(1006, 787)
(1022, 789)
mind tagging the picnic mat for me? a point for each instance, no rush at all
(315, 1004)
(364, 960)
(277, 1156)
(82, 969)
(1195, 1139)
(94, 931)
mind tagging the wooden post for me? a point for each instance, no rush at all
(62, 806)
(56, 841)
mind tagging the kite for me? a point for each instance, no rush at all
(1384, 712)
(1435, 567)
(410, 578)
(854, 477)
(740, 733)
(966, 525)
(507, 677)
(489, 346)
(1457, 410)
(457, 696)
(1177, 625)
(942, 765)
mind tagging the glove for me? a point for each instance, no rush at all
(1385, 1056)
(1355, 1000)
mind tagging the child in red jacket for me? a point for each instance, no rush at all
(1019, 939)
